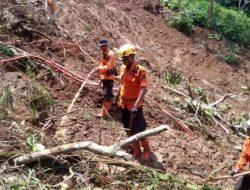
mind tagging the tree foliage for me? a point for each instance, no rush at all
(232, 24)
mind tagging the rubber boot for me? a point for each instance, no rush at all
(104, 110)
(136, 149)
(113, 103)
(112, 100)
(146, 149)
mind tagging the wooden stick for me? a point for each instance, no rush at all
(56, 116)
(65, 118)
(60, 68)
(229, 176)
(231, 95)
(176, 91)
(113, 150)
(179, 122)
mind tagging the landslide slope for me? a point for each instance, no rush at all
(143, 23)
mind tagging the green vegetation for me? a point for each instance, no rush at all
(173, 76)
(238, 119)
(5, 50)
(237, 4)
(182, 22)
(29, 67)
(233, 25)
(27, 180)
(245, 90)
(229, 58)
(229, 53)
(6, 102)
(39, 100)
(136, 178)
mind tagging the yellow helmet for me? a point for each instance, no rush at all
(126, 50)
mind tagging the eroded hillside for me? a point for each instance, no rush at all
(73, 45)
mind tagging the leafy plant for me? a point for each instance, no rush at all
(198, 91)
(229, 58)
(32, 144)
(5, 50)
(182, 22)
(215, 36)
(39, 100)
(30, 141)
(30, 69)
(231, 47)
(174, 76)
(26, 181)
(238, 119)
(245, 90)
(229, 54)
(6, 102)
(224, 107)
(204, 110)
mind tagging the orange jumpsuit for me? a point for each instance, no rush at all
(132, 81)
(245, 155)
(106, 63)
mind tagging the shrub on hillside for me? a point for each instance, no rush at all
(240, 4)
(229, 58)
(173, 76)
(182, 22)
(199, 14)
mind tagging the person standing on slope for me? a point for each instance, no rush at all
(131, 98)
(107, 71)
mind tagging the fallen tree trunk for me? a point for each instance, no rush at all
(113, 150)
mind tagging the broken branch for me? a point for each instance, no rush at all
(113, 150)
(232, 95)
(177, 121)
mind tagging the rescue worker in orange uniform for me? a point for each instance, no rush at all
(107, 71)
(244, 182)
(131, 93)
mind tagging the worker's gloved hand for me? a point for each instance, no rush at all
(112, 71)
(234, 172)
(134, 111)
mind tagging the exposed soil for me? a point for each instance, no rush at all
(159, 46)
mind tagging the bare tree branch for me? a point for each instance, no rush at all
(232, 95)
(113, 150)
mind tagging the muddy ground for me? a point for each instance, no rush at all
(159, 46)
